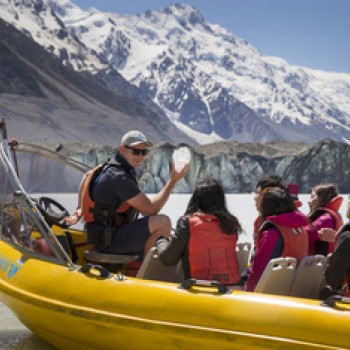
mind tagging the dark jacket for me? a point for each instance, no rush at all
(114, 186)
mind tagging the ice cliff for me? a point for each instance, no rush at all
(239, 165)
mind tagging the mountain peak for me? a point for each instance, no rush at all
(184, 11)
(187, 15)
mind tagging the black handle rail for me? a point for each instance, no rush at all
(104, 273)
(334, 299)
(192, 282)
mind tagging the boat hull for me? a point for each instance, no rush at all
(74, 310)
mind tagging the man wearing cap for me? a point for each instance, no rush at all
(116, 187)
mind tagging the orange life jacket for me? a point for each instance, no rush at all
(93, 212)
(212, 253)
(295, 240)
(259, 220)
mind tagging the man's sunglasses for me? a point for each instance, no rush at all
(138, 152)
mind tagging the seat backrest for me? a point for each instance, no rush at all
(309, 276)
(277, 277)
(243, 254)
(153, 269)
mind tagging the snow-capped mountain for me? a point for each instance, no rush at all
(37, 20)
(210, 83)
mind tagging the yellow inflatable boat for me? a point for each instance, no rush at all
(74, 304)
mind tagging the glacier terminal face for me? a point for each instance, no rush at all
(238, 166)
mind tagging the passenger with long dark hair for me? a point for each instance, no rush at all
(281, 233)
(205, 237)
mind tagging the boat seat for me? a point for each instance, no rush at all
(277, 277)
(112, 262)
(309, 277)
(243, 254)
(153, 269)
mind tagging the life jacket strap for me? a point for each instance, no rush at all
(107, 236)
(107, 215)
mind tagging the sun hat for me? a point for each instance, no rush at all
(134, 138)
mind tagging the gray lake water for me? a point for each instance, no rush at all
(15, 336)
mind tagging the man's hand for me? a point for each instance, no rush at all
(74, 218)
(151, 206)
(178, 175)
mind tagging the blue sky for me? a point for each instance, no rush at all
(309, 33)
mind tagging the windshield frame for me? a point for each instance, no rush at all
(15, 199)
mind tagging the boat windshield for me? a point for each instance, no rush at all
(43, 171)
(25, 174)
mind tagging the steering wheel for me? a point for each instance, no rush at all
(53, 211)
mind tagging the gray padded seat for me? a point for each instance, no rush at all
(309, 277)
(278, 276)
(153, 269)
(243, 254)
(112, 262)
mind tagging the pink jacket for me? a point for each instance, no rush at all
(271, 244)
(325, 220)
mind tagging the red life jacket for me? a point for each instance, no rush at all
(256, 235)
(295, 240)
(212, 253)
(332, 207)
(93, 212)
